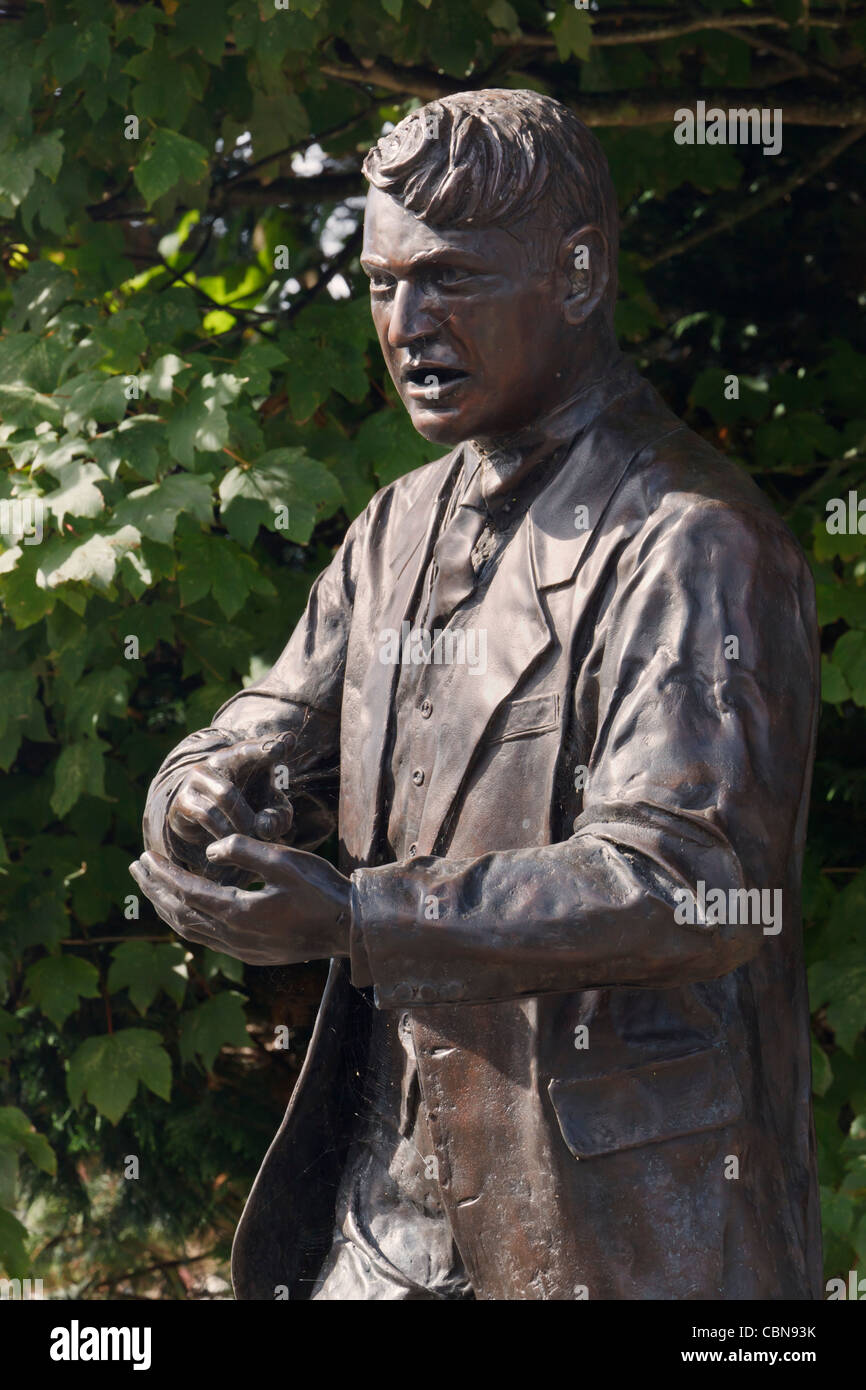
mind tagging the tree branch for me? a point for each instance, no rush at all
(766, 199)
(807, 66)
(612, 108)
(604, 36)
(236, 193)
(333, 267)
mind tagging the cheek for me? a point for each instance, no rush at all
(503, 333)
(381, 319)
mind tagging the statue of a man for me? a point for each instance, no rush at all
(557, 691)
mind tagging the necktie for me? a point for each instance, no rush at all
(453, 573)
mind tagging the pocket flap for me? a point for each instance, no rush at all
(531, 716)
(661, 1100)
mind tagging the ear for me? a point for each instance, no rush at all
(583, 262)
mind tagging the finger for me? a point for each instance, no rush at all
(209, 899)
(252, 755)
(205, 788)
(173, 911)
(254, 947)
(216, 819)
(273, 823)
(268, 862)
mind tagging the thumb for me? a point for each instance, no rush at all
(263, 860)
(242, 760)
(274, 822)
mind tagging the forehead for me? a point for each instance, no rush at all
(395, 237)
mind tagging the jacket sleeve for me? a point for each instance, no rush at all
(705, 697)
(301, 693)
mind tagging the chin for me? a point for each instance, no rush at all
(441, 426)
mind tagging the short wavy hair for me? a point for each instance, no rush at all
(492, 158)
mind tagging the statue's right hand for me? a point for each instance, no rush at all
(218, 796)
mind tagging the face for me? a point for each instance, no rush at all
(473, 333)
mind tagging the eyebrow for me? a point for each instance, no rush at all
(443, 256)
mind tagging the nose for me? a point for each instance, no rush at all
(411, 317)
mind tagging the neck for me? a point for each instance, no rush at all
(549, 421)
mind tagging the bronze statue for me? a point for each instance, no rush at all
(558, 692)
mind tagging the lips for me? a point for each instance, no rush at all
(431, 381)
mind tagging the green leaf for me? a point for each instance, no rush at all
(841, 600)
(251, 497)
(217, 963)
(503, 16)
(18, 1135)
(795, 438)
(122, 339)
(136, 443)
(277, 119)
(139, 25)
(17, 694)
(15, 91)
(154, 510)
(38, 295)
(840, 984)
(107, 1070)
(255, 363)
(93, 561)
(79, 769)
(572, 31)
(849, 657)
(317, 366)
(218, 1022)
(36, 918)
(56, 983)
(822, 1072)
(170, 314)
(145, 968)
(712, 390)
(834, 687)
(158, 382)
(387, 444)
(167, 159)
(13, 1251)
(94, 396)
(199, 424)
(19, 164)
(837, 1211)
(97, 695)
(150, 623)
(72, 47)
(214, 564)
(78, 494)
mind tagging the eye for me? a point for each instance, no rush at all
(380, 281)
(452, 277)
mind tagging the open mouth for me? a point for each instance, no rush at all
(432, 382)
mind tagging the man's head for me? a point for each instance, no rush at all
(490, 240)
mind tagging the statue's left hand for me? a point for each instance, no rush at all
(302, 913)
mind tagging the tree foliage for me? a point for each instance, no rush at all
(193, 406)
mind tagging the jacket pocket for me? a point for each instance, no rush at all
(534, 715)
(648, 1104)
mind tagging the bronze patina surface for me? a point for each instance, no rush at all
(557, 691)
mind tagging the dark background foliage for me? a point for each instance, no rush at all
(186, 347)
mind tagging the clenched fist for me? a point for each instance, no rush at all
(232, 792)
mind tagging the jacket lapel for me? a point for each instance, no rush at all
(548, 549)
(517, 633)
